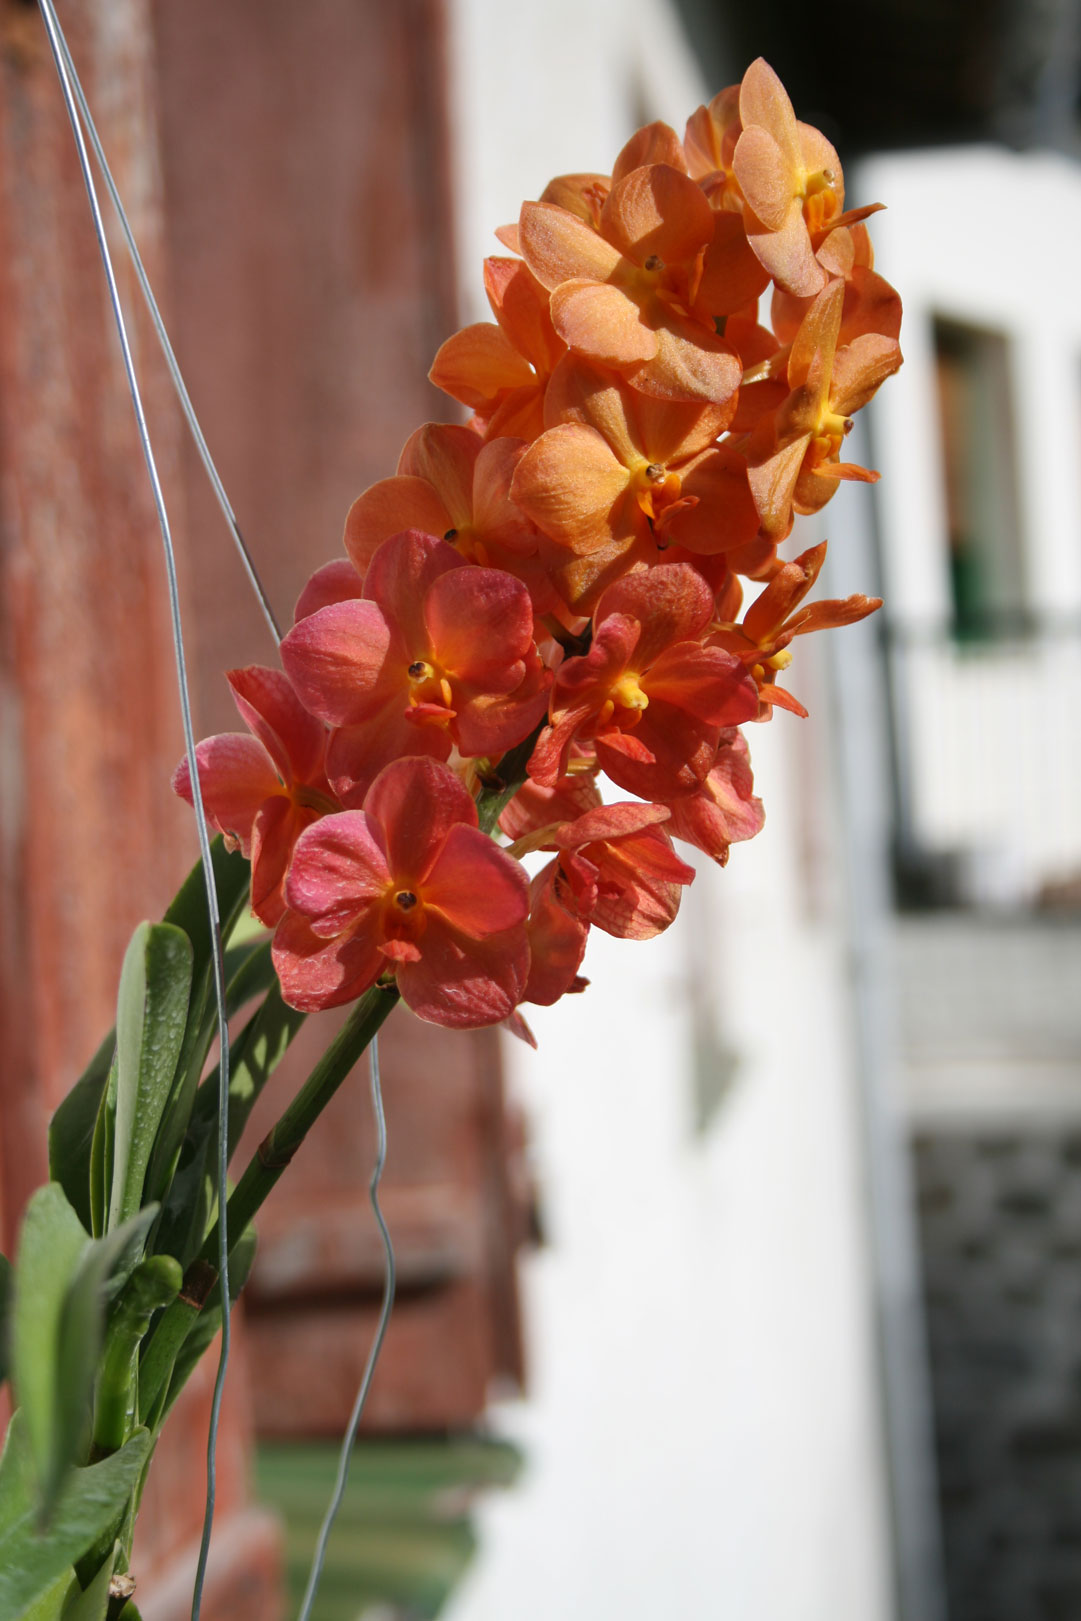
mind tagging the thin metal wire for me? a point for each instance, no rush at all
(166, 347)
(389, 1284)
(59, 53)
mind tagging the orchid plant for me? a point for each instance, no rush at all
(577, 590)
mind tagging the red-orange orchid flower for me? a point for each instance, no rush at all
(262, 791)
(724, 811)
(438, 655)
(650, 698)
(451, 484)
(411, 886)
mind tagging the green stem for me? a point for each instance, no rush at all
(154, 1283)
(505, 781)
(267, 1165)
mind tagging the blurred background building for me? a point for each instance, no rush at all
(802, 1341)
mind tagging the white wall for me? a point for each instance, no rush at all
(701, 1433)
(991, 238)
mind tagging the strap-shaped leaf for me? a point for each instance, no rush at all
(232, 876)
(151, 1017)
(71, 1131)
(101, 1152)
(51, 1605)
(104, 1267)
(6, 1286)
(93, 1604)
(188, 911)
(51, 1245)
(34, 1560)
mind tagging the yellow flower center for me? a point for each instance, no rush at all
(429, 685)
(654, 488)
(625, 704)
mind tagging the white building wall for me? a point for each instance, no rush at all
(990, 238)
(702, 1433)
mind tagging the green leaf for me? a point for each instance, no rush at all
(71, 1131)
(188, 909)
(92, 1604)
(151, 1018)
(189, 912)
(249, 972)
(104, 1267)
(33, 1561)
(6, 1290)
(51, 1245)
(101, 1152)
(62, 1282)
(50, 1606)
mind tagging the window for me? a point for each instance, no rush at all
(980, 468)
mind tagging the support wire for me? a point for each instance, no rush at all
(166, 347)
(389, 1284)
(60, 58)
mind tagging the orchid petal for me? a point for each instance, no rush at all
(557, 943)
(559, 247)
(416, 802)
(655, 144)
(478, 887)
(316, 973)
(339, 871)
(336, 658)
(293, 738)
(334, 582)
(572, 486)
(601, 321)
(388, 507)
(274, 833)
(236, 777)
(477, 363)
(463, 983)
(656, 211)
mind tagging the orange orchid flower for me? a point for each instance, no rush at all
(791, 181)
(871, 304)
(623, 295)
(618, 476)
(451, 484)
(501, 370)
(793, 460)
(771, 622)
(648, 695)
